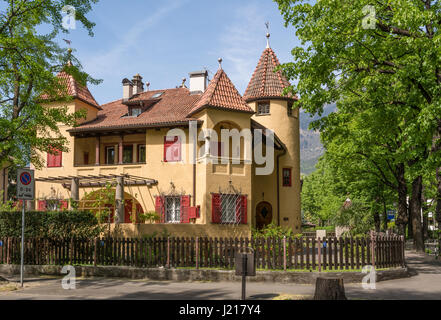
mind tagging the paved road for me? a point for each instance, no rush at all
(425, 284)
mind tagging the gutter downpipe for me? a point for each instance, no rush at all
(278, 185)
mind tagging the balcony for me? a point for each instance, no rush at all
(109, 151)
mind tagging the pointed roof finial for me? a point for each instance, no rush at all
(220, 63)
(268, 35)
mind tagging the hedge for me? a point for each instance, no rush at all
(59, 224)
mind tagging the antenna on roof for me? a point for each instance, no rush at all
(183, 83)
(268, 35)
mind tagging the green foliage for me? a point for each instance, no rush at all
(64, 224)
(273, 230)
(149, 216)
(356, 217)
(103, 199)
(29, 61)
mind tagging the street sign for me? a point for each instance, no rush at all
(25, 184)
(391, 214)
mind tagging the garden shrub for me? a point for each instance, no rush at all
(60, 224)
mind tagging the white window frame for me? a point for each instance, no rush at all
(172, 209)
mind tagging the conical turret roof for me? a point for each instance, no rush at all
(221, 94)
(265, 83)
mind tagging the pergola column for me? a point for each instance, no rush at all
(120, 149)
(97, 151)
(75, 191)
(119, 200)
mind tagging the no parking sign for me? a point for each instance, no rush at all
(25, 184)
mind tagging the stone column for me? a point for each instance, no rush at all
(97, 151)
(75, 192)
(135, 153)
(119, 200)
(120, 150)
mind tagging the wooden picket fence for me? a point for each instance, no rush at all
(304, 253)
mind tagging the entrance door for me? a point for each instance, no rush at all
(264, 214)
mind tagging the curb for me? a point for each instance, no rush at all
(162, 274)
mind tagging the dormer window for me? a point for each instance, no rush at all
(134, 112)
(263, 108)
(157, 95)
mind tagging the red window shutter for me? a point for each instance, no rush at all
(216, 208)
(242, 210)
(54, 159)
(185, 206)
(172, 149)
(159, 208)
(64, 205)
(41, 205)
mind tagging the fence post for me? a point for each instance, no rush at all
(94, 252)
(168, 252)
(373, 248)
(197, 252)
(319, 251)
(403, 261)
(284, 253)
(8, 251)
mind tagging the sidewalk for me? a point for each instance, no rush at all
(425, 284)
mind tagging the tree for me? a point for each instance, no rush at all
(29, 62)
(386, 62)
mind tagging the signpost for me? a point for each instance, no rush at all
(245, 266)
(25, 191)
(391, 215)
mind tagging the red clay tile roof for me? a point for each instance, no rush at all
(265, 83)
(75, 90)
(171, 108)
(221, 93)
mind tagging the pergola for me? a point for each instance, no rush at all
(74, 183)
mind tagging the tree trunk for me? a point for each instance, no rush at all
(409, 219)
(329, 289)
(425, 209)
(438, 197)
(401, 219)
(415, 213)
(377, 221)
(384, 216)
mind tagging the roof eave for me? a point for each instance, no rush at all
(219, 108)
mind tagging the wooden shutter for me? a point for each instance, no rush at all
(172, 149)
(216, 208)
(185, 205)
(159, 208)
(243, 207)
(41, 205)
(64, 205)
(54, 159)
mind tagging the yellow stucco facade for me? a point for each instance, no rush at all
(267, 196)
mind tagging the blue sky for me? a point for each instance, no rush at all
(165, 40)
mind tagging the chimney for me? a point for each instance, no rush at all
(127, 89)
(198, 81)
(138, 86)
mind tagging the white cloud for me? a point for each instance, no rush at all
(240, 43)
(103, 64)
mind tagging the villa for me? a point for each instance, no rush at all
(142, 144)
